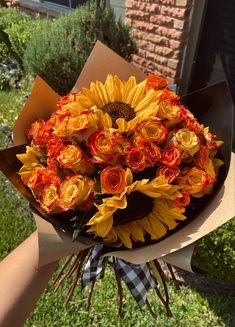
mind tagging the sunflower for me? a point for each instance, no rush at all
(157, 214)
(123, 101)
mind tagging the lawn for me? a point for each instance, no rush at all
(189, 307)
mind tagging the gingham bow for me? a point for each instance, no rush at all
(137, 277)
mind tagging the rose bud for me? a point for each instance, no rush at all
(113, 180)
(182, 201)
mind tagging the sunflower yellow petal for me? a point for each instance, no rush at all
(144, 103)
(104, 227)
(136, 94)
(137, 231)
(124, 235)
(130, 84)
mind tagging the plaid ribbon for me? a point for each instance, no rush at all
(137, 277)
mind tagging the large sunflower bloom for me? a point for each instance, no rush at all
(157, 214)
(123, 101)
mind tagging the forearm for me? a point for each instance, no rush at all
(21, 282)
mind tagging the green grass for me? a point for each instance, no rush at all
(189, 307)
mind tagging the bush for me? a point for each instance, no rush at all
(215, 253)
(8, 17)
(19, 34)
(60, 50)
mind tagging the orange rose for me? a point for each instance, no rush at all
(182, 201)
(168, 95)
(40, 178)
(202, 157)
(156, 82)
(112, 180)
(32, 131)
(192, 124)
(66, 99)
(152, 129)
(172, 113)
(194, 181)
(210, 141)
(171, 156)
(45, 132)
(170, 173)
(107, 147)
(74, 190)
(135, 159)
(54, 146)
(150, 149)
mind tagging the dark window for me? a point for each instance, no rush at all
(215, 60)
(69, 3)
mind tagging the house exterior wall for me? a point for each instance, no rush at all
(161, 29)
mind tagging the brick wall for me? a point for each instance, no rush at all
(161, 30)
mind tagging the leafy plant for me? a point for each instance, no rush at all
(59, 50)
(8, 17)
(19, 34)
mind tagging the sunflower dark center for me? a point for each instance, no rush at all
(139, 206)
(119, 110)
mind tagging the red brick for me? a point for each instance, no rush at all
(175, 44)
(164, 51)
(183, 3)
(128, 21)
(172, 63)
(178, 24)
(129, 3)
(167, 2)
(162, 20)
(173, 11)
(137, 14)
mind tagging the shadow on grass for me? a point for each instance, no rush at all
(221, 297)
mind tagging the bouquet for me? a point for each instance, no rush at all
(125, 159)
(122, 162)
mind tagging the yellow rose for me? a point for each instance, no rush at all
(169, 111)
(194, 181)
(73, 108)
(152, 129)
(49, 199)
(74, 190)
(70, 156)
(188, 141)
(82, 125)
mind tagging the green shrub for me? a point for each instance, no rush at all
(19, 34)
(5, 55)
(215, 253)
(58, 52)
(8, 17)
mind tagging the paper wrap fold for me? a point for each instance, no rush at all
(177, 248)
